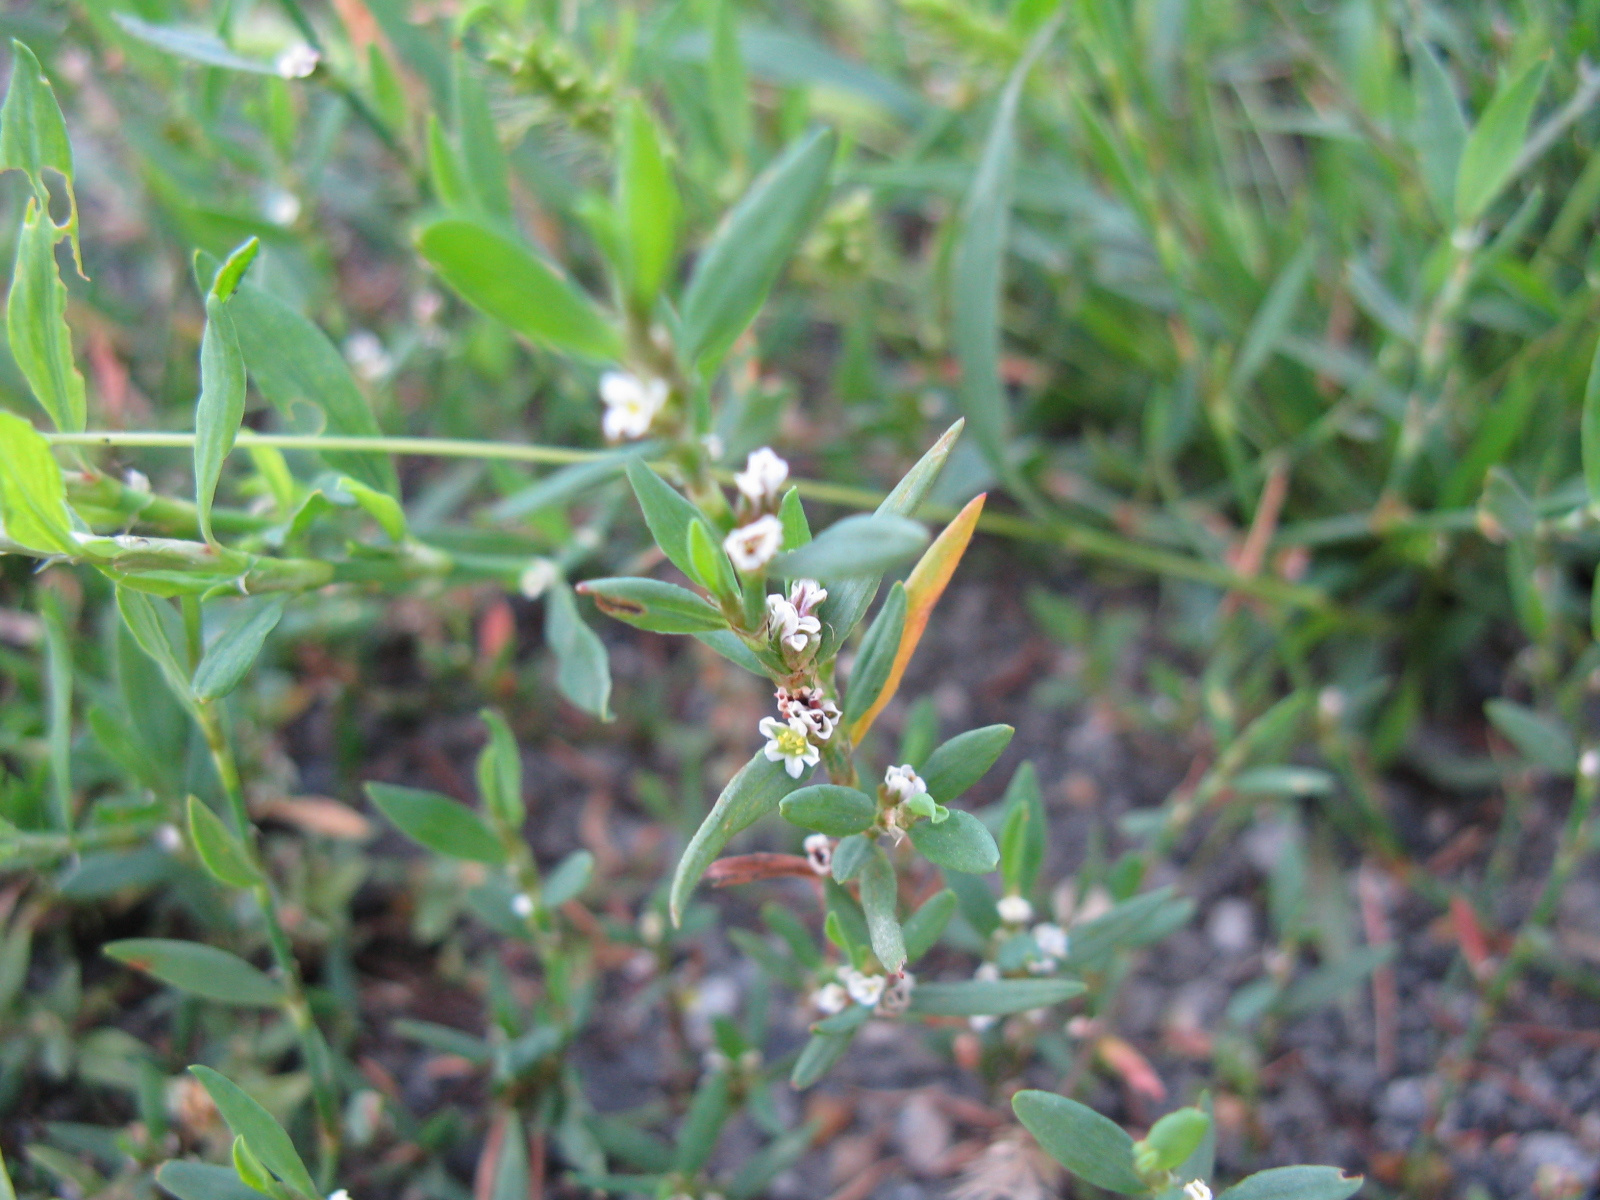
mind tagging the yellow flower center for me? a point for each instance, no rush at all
(791, 743)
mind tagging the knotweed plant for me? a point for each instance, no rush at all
(889, 853)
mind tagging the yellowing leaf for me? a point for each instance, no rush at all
(924, 586)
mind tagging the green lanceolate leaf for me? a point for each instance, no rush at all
(204, 1181)
(960, 842)
(583, 668)
(1540, 739)
(711, 565)
(219, 849)
(737, 270)
(879, 901)
(294, 363)
(149, 621)
(867, 544)
(647, 205)
(876, 657)
(924, 927)
(193, 45)
(1590, 430)
(483, 159)
(709, 1111)
(33, 495)
(265, 1137)
(512, 284)
(36, 324)
(438, 822)
(818, 1057)
(830, 809)
(653, 605)
(1439, 131)
(202, 970)
(753, 793)
(990, 997)
(1090, 1146)
(848, 602)
(1295, 1183)
(1172, 1140)
(668, 514)
(228, 659)
(1490, 155)
(850, 855)
(1023, 837)
(499, 770)
(221, 409)
(33, 134)
(792, 512)
(963, 760)
(568, 878)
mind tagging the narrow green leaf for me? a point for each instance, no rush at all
(201, 1181)
(737, 270)
(1540, 739)
(647, 202)
(830, 809)
(711, 566)
(990, 997)
(1440, 130)
(380, 506)
(499, 770)
(229, 658)
(294, 363)
(653, 605)
(33, 495)
(221, 408)
(36, 324)
(1490, 155)
(482, 156)
(1295, 1183)
(1272, 319)
(792, 512)
(866, 544)
(1080, 1139)
(265, 1137)
(58, 698)
(512, 284)
(512, 1176)
(667, 512)
(204, 970)
(150, 622)
(1590, 429)
(1175, 1137)
(445, 171)
(566, 483)
(569, 877)
(195, 45)
(33, 136)
(960, 842)
(438, 822)
(818, 1057)
(583, 668)
(220, 851)
(963, 760)
(850, 855)
(924, 927)
(753, 793)
(1023, 842)
(709, 1111)
(876, 657)
(880, 903)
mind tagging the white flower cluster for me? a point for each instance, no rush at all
(757, 541)
(1014, 910)
(1196, 1189)
(1053, 942)
(807, 704)
(888, 996)
(632, 404)
(910, 794)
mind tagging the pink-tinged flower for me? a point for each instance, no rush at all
(788, 743)
(753, 546)
(806, 595)
(819, 853)
(863, 989)
(764, 473)
(903, 783)
(789, 626)
(1014, 910)
(830, 998)
(820, 714)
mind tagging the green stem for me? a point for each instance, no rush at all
(296, 1006)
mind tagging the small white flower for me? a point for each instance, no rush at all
(788, 743)
(522, 905)
(297, 62)
(820, 714)
(1589, 764)
(136, 480)
(819, 853)
(341, 1194)
(1014, 910)
(1196, 1189)
(712, 445)
(1041, 966)
(753, 546)
(1051, 940)
(863, 989)
(829, 999)
(903, 782)
(806, 595)
(788, 626)
(986, 973)
(281, 207)
(169, 839)
(981, 1023)
(896, 996)
(631, 404)
(652, 928)
(763, 474)
(537, 577)
(364, 351)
